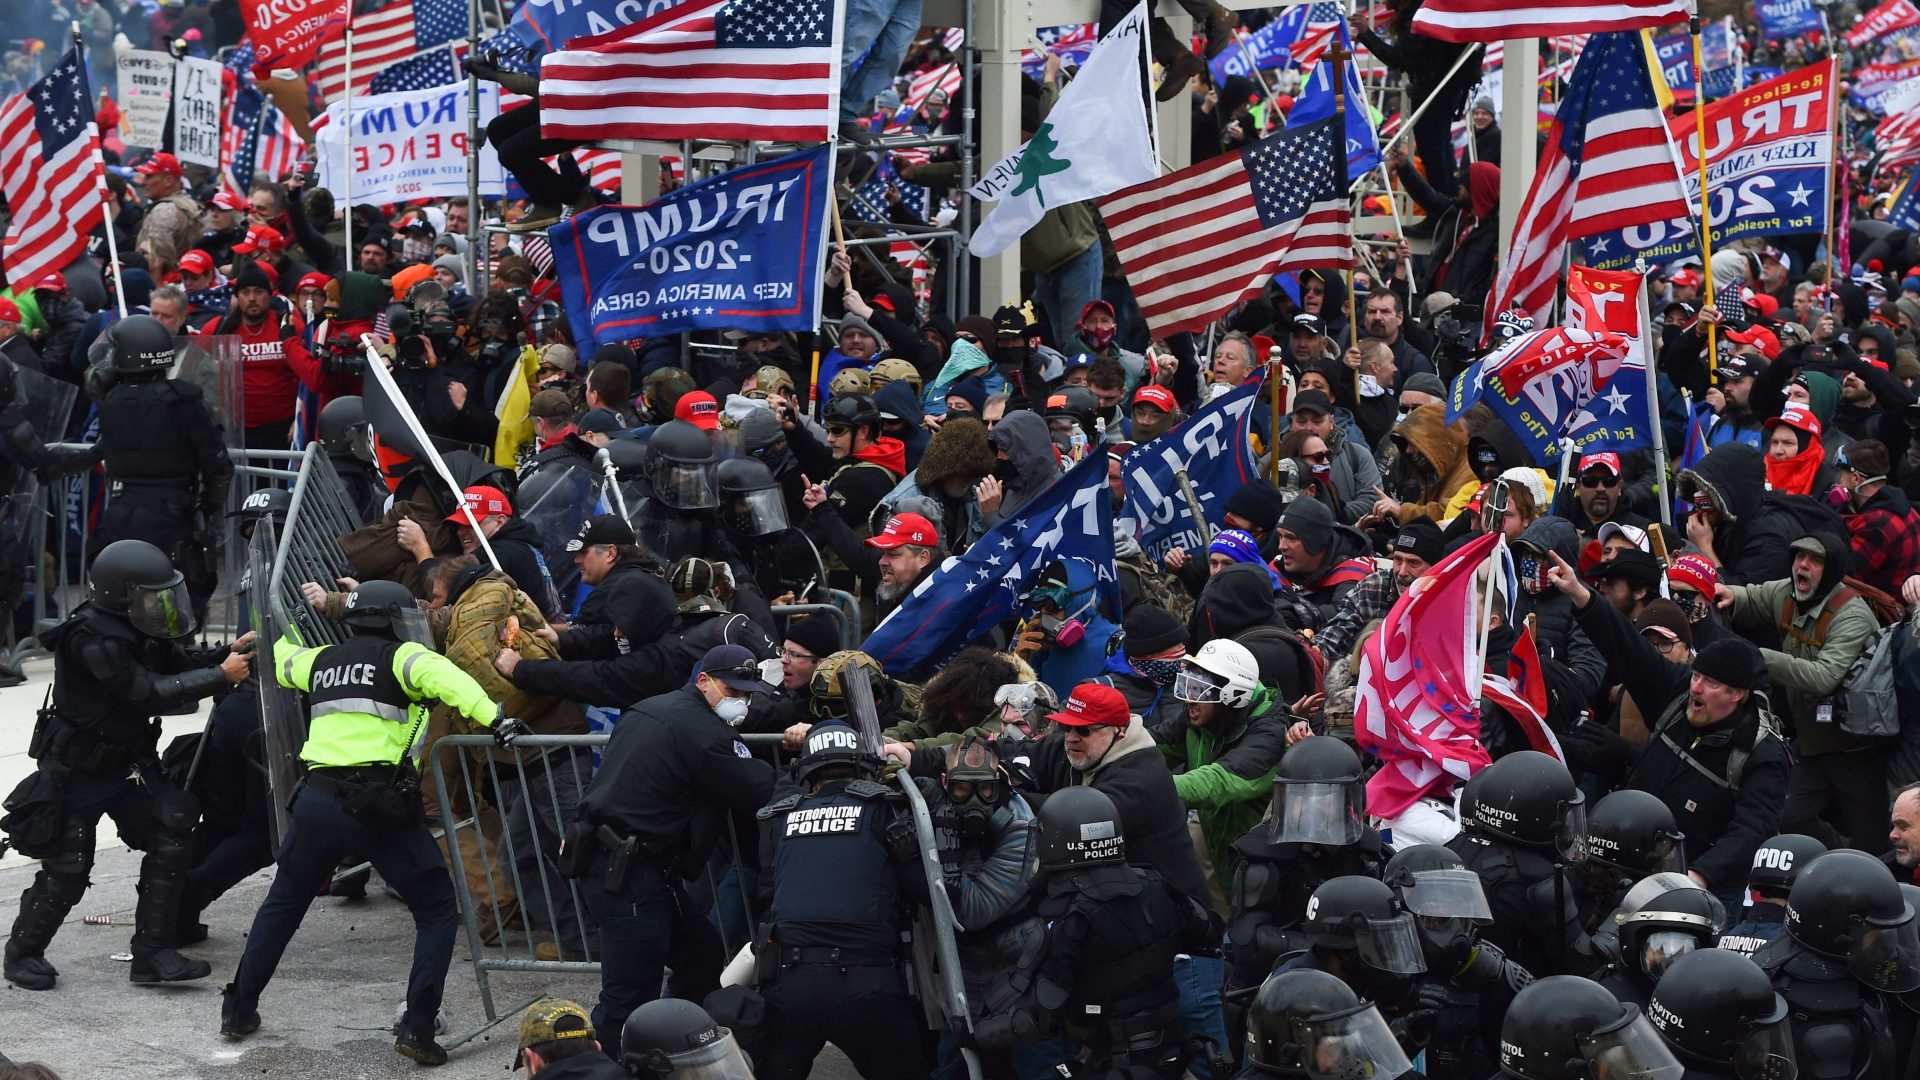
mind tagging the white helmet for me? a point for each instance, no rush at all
(1223, 670)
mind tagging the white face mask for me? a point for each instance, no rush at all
(731, 709)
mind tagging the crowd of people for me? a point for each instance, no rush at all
(1151, 838)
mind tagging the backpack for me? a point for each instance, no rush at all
(1866, 703)
(1157, 586)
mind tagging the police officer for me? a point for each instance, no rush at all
(669, 1038)
(1359, 932)
(1721, 1016)
(347, 438)
(1775, 866)
(681, 491)
(1565, 1027)
(671, 772)
(1850, 942)
(1308, 1023)
(1279, 862)
(1658, 930)
(164, 454)
(366, 705)
(781, 560)
(118, 662)
(1630, 835)
(1522, 825)
(834, 907)
(1104, 968)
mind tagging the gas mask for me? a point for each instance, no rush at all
(1100, 338)
(1059, 610)
(1159, 672)
(1065, 632)
(975, 787)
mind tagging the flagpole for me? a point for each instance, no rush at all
(1660, 452)
(1337, 52)
(473, 154)
(1274, 366)
(100, 182)
(346, 156)
(1706, 224)
(1837, 162)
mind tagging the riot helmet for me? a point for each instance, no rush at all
(1077, 405)
(1565, 1027)
(680, 466)
(1633, 832)
(136, 579)
(827, 693)
(1529, 799)
(1308, 1023)
(141, 344)
(829, 744)
(1079, 827)
(1847, 904)
(1447, 900)
(1668, 926)
(1319, 796)
(1778, 861)
(1362, 914)
(853, 411)
(673, 1037)
(266, 502)
(1719, 1009)
(751, 502)
(387, 609)
(344, 429)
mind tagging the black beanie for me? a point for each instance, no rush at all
(1732, 660)
(1311, 521)
(819, 636)
(1151, 629)
(250, 275)
(1257, 502)
(1422, 539)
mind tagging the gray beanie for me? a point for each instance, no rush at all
(1426, 382)
(851, 321)
(759, 429)
(1483, 102)
(1311, 521)
(454, 263)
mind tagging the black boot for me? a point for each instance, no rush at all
(238, 1019)
(29, 971)
(152, 966)
(419, 1046)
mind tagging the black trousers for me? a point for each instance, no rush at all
(865, 1011)
(516, 137)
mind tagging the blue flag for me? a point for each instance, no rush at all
(1617, 418)
(545, 26)
(741, 251)
(972, 593)
(1213, 449)
(1905, 213)
(1315, 102)
(1785, 18)
(1550, 384)
(1268, 46)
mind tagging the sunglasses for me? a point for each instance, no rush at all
(1596, 480)
(836, 430)
(1320, 458)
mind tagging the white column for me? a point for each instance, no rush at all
(1520, 110)
(1002, 30)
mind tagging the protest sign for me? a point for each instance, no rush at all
(196, 112)
(146, 89)
(406, 146)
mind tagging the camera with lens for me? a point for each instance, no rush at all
(410, 351)
(1458, 327)
(343, 355)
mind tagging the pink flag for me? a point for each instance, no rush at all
(1418, 704)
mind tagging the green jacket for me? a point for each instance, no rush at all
(1805, 674)
(1225, 775)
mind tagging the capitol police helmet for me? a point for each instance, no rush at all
(672, 1037)
(1363, 915)
(1566, 1027)
(1718, 1009)
(1847, 904)
(1079, 827)
(1529, 799)
(136, 579)
(1308, 1023)
(141, 344)
(388, 609)
(1633, 832)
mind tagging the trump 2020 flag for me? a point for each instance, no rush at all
(1540, 383)
(1316, 102)
(972, 593)
(1094, 142)
(1619, 417)
(1212, 448)
(740, 251)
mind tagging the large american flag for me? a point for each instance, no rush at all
(1323, 22)
(1196, 242)
(1497, 20)
(1609, 163)
(386, 37)
(707, 69)
(50, 171)
(256, 142)
(439, 67)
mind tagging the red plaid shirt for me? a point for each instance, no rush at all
(1886, 540)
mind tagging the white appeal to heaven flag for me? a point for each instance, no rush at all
(1094, 142)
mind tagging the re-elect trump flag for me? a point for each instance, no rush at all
(742, 251)
(1211, 447)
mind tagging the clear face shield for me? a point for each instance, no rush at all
(1390, 945)
(1888, 957)
(1630, 1051)
(1333, 814)
(1446, 906)
(412, 626)
(687, 485)
(1570, 832)
(1196, 686)
(1765, 1052)
(1662, 948)
(162, 611)
(760, 513)
(1357, 1045)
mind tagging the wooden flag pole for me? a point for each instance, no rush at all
(106, 207)
(1838, 162)
(348, 255)
(1706, 225)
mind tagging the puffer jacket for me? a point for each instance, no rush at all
(1555, 631)
(1225, 771)
(1426, 432)
(473, 637)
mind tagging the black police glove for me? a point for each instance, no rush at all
(1597, 749)
(1414, 1030)
(506, 729)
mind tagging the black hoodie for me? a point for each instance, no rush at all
(1751, 538)
(1236, 600)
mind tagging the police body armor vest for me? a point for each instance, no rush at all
(1840, 1028)
(831, 869)
(144, 435)
(1269, 891)
(1133, 922)
(98, 713)
(357, 676)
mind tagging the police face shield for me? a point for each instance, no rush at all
(1765, 1052)
(1668, 854)
(687, 485)
(760, 513)
(162, 611)
(720, 1059)
(411, 625)
(1196, 686)
(1390, 945)
(1446, 894)
(1332, 814)
(1662, 947)
(1570, 832)
(1356, 1045)
(1888, 957)
(1631, 1050)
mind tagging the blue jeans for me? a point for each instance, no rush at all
(882, 29)
(1199, 979)
(1031, 1061)
(1064, 290)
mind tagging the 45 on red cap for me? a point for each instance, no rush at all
(903, 529)
(1091, 704)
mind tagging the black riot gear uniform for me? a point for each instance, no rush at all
(1720, 1014)
(1630, 834)
(1522, 829)
(1848, 946)
(1104, 966)
(1297, 1013)
(1776, 864)
(669, 1037)
(165, 456)
(117, 664)
(1361, 933)
(754, 512)
(1654, 932)
(348, 440)
(835, 881)
(1568, 1028)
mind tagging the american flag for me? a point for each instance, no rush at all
(1609, 163)
(1731, 302)
(1072, 43)
(1497, 20)
(1323, 21)
(1897, 139)
(386, 37)
(921, 86)
(256, 141)
(50, 171)
(240, 60)
(707, 69)
(441, 67)
(1195, 242)
(870, 201)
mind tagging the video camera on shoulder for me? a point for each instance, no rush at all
(410, 349)
(1458, 327)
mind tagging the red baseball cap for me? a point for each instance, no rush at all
(314, 280)
(261, 238)
(1686, 276)
(1607, 461)
(227, 200)
(1759, 337)
(1094, 703)
(1157, 396)
(9, 311)
(484, 501)
(53, 280)
(699, 409)
(196, 262)
(162, 163)
(904, 529)
(1798, 417)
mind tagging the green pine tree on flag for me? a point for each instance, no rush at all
(1039, 162)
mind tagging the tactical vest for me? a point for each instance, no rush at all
(144, 434)
(357, 676)
(1132, 936)
(830, 865)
